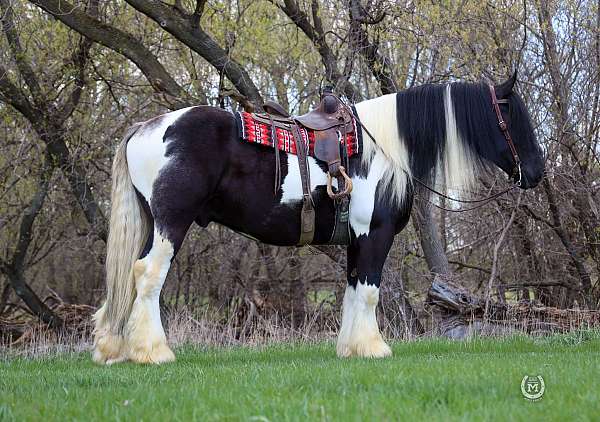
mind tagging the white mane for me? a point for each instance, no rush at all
(456, 169)
(379, 117)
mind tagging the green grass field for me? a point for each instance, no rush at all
(424, 380)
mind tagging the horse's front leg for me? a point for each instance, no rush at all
(359, 334)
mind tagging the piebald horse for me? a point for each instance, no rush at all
(189, 166)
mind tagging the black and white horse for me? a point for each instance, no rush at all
(189, 166)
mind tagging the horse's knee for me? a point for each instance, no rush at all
(368, 295)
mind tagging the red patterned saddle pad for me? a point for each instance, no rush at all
(257, 132)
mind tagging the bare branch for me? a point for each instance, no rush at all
(360, 15)
(8, 26)
(53, 135)
(317, 36)
(14, 269)
(121, 42)
(198, 12)
(10, 94)
(79, 59)
(377, 63)
(186, 30)
(494, 270)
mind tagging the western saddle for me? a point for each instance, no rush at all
(331, 122)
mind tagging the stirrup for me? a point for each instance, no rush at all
(348, 185)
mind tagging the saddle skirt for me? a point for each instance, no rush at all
(259, 132)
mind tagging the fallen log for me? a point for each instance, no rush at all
(458, 313)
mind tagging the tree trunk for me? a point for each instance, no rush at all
(430, 238)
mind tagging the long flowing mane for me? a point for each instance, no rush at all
(434, 132)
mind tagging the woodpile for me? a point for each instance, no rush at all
(460, 314)
(21, 327)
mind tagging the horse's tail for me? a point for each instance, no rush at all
(129, 228)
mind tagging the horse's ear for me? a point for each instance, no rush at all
(505, 88)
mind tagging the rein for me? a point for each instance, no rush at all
(483, 201)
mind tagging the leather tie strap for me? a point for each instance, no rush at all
(307, 215)
(277, 158)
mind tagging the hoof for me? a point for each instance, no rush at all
(343, 350)
(372, 349)
(156, 353)
(108, 349)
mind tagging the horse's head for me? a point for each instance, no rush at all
(525, 163)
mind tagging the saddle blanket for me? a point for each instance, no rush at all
(256, 132)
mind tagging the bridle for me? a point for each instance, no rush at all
(516, 174)
(504, 129)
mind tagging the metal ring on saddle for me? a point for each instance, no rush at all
(348, 181)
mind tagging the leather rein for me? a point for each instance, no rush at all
(515, 175)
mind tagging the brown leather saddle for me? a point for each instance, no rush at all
(331, 122)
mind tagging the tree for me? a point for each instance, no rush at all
(74, 75)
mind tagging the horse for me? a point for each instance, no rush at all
(189, 166)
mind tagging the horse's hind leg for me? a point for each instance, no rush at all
(145, 336)
(173, 209)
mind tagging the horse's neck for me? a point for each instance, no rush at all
(451, 161)
(378, 116)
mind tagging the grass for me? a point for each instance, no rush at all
(430, 380)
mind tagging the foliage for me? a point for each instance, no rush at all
(552, 253)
